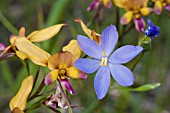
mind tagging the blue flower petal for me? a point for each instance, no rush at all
(109, 39)
(150, 22)
(89, 47)
(125, 54)
(121, 74)
(87, 65)
(102, 82)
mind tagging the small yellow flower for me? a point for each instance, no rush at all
(135, 9)
(159, 4)
(62, 66)
(24, 48)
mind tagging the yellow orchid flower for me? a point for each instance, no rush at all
(19, 102)
(97, 3)
(24, 48)
(159, 4)
(62, 67)
(90, 33)
(135, 9)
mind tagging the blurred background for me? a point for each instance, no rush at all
(154, 67)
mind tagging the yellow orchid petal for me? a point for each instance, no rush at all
(21, 55)
(127, 17)
(131, 4)
(158, 7)
(22, 32)
(12, 39)
(90, 33)
(84, 27)
(17, 110)
(51, 77)
(120, 3)
(45, 34)
(145, 11)
(73, 72)
(20, 99)
(73, 48)
(61, 60)
(96, 37)
(34, 53)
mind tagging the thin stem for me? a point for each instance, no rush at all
(125, 30)
(38, 91)
(7, 24)
(95, 16)
(36, 77)
(65, 97)
(26, 65)
(45, 93)
(117, 19)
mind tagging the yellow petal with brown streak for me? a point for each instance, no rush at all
(61, 60)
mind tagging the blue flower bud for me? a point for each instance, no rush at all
(152, 31)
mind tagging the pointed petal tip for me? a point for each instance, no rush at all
(83, 75)
(66, 84)
(2, 46)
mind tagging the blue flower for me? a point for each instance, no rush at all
(152, 31)
(105, 62)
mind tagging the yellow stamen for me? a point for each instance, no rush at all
(103, 53)
(103, 61)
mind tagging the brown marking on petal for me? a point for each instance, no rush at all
(131, 4)
(17, 110)
(61, 60)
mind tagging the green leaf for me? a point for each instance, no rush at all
(57, 11)
(146, 87)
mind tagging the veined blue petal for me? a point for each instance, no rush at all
(89, 47)
(109, 39)
(121, 74)
(102, 82)
(125, 54)
(87, 65)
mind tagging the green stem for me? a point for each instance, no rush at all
(7, 24)
(65, 97)
(38, 91)
(26, 65)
